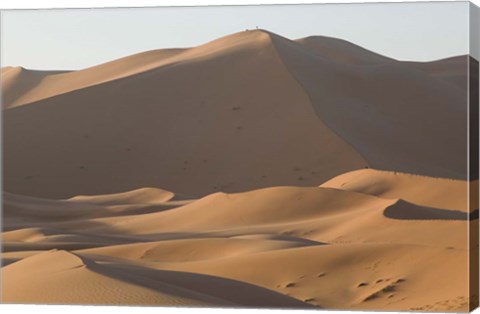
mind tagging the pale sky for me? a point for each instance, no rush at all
(79, 38)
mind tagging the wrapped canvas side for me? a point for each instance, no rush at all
(474, 41)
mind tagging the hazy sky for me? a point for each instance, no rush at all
(78, 38)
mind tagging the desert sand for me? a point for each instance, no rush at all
(251, 171)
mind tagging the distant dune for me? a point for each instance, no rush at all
(252, 171)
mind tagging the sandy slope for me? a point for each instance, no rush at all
(233, 174)
(290, 113)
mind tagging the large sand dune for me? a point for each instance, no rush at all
(234, 174)
(290, 113)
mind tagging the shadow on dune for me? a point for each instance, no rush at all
(407, 211)
(223, 289)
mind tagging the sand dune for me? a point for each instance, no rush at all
(368, 275)
(290, 114)
(16, 81)
(294, 246)
(239, 174)
(139, 196)
(71, 278)
(30, 86)
(421, 190)
(25, 212)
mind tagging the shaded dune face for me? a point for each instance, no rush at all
(389, 111)
(233, 174)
